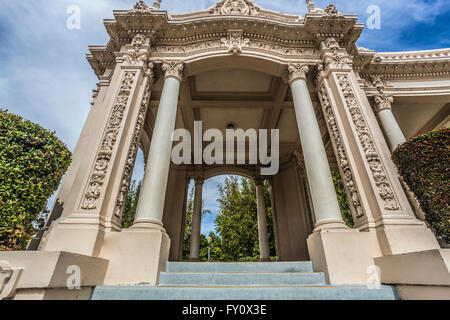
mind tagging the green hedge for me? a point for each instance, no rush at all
(424, 164)
(32, 162)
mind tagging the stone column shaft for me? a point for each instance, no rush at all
(196, 222)
(323, 193)
(149, 212)
(264, 251)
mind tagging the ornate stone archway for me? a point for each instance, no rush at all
(323, 77)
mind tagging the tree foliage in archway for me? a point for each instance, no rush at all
(32, 162)
(237, 222)
(344, 205)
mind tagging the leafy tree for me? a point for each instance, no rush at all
(342, 199)
(129, 210)
(32, 162)
(237, 221)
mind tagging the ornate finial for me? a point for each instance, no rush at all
(156, 5)
(312, 7)
(142, 7)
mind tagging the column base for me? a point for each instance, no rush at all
(331, 226)
(264, 260)
(194, 260)
(344, 257)
(148, 225)
(136, 255)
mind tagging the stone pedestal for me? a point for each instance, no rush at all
(50, 275)
(136, 256)
(344, 256)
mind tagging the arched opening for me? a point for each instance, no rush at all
(229, 220)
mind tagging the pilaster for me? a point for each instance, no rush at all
(100, 186)
(372, 184)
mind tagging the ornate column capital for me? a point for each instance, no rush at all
(173, 69)
(381, 100)
(199, 179)
(296, 71)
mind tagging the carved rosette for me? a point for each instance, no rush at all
(297, 71)
(134, 147)
(235, 41)
(173, 69)
(99, 172)
(138, 52)
(340, 151)
(381, 100)
(376, 166)
(236, 7)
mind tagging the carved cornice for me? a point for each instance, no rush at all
(173, 69)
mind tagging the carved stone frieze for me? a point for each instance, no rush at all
(134, 147)
(100, 170)
(341, 154)
(368, 145)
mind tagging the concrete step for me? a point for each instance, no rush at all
(241, 279)
(254, 267)
(244, 293)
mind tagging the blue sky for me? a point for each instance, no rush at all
(45, 78)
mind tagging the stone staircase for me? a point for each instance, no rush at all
(242, 281)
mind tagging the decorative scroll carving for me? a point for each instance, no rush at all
(312, 7)
(142, 7)
(368, 144)
(9, 278)
(335, 59)
(332, 11)
(297, 71)
(173, 69)
(137, 55)
(134, 146)
(340, 151)
(237, 7)
(380, 100)
(98, 175)
(235, 41)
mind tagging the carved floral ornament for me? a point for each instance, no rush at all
(296, 71)
(381, 100)
(235, 41)
(236, 7)
(138, 52)
(142, 7)
(368, 145)
(99, 172)
(173, 69)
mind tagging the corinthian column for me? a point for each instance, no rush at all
(149, 212)
(382, 105)
(264, 251)
(196, 219)
(323, 193)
